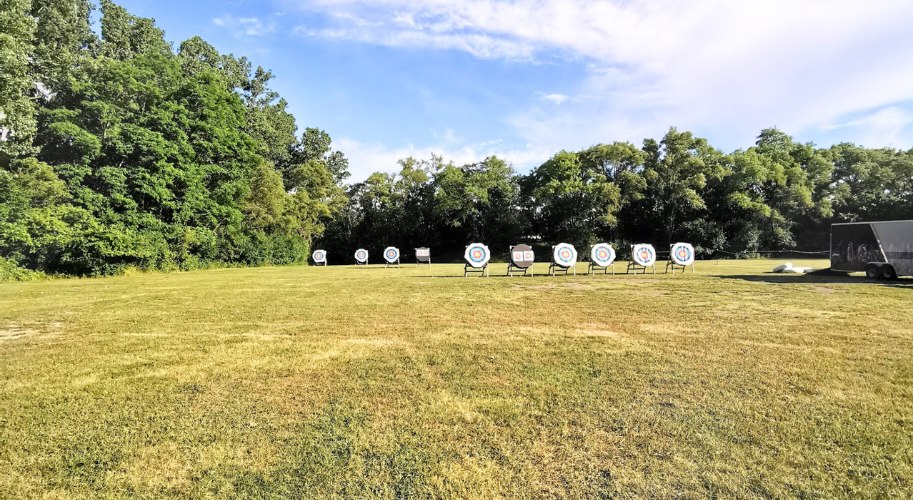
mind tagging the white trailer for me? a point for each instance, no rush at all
(883, 250)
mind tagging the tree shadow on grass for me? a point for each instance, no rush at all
(816, 279)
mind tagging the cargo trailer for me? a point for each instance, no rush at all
(883, 250)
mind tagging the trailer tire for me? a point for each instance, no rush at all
(888, 273)
(873, 271)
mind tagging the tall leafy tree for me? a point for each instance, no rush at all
(477, 201)
(17, 110)
(676, 172)
(62, 41)
(871, 184)
(569, 200)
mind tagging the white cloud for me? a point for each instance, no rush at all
(367, 158)
(556, 99)
(884, 127)
(722, 68)
(245, 26)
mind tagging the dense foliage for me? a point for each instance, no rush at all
(118, 151)
(776, 195)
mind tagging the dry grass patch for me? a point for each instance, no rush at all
(344, 382)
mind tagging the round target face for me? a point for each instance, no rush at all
(602, 254)
(391, 254)
(683, 254)
(319, 256)
(643, 254)
(477, 255)
(564, 254)
(361, 255)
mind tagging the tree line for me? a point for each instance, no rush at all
(120, 150)
(779, 194)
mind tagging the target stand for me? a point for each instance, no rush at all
(319, 257)
(602, 258)
(595, 268)
(643, 257)
(681, 256)
(391, 257)
(521, 260)
(422, 256)
(477, 256)
(469, 269)
(361, 257)
(564, 258)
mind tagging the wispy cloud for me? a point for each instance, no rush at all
(366, 158)
(245, 26)
(885, 127)
(557, 99)
(725, 68)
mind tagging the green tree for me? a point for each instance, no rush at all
(125, 36)
(17, 110)
(62, 40)
(871, 184)
(676, 173)
(570, 201)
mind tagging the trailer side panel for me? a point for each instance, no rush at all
(896, 239)
(853, 246)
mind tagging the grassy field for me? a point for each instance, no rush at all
(409, 382)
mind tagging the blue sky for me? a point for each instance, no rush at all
(524, 79)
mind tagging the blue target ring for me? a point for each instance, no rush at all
(683, 254)
(477, 255)
(565, 255)
(602, 254)
(644, 255)
(391, 254)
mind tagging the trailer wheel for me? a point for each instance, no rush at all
(873, 271)
(888, 273)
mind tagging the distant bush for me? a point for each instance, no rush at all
(9, 271)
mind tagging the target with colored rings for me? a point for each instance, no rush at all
(602, 254)
(643, 254)
(361, 255)
(319, 256)
(683, 254)
(391, 254)
(565, 255)
(477, 255)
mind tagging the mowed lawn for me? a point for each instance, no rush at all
(414, 382)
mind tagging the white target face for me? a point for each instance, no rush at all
(477, 255)
(565, 255)
(643, 254)
(391, 254)
(361, 255)
(682, 254)
(422, 252)
(602, 254)
(319, 256)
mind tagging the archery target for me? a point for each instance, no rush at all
(391, 254)
(319, 256)
(602, 254)
(683, 254)
(361, 255)
(522, 256)
(423, 254)
(643, 254)
(565, 255)
(477, 255)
